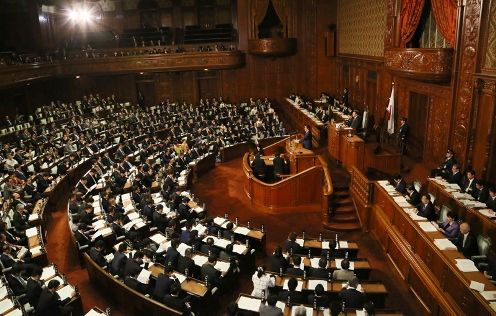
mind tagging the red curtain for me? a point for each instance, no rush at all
(445, 13)
(411, 10)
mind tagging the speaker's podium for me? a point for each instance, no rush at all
(306, 187)
(300, 158)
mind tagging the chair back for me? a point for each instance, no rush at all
(417, 185)
(483, 244)
(433, 197)
(443, 213)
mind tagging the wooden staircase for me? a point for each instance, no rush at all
(343, 216)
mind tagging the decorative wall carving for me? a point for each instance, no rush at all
(463, 93)
(422, 64)
(272, 46)
(361, 27)
(490, 60)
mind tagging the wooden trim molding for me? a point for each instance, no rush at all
(432, 64)
(272, 47)
(12, 75)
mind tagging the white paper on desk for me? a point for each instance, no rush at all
(444, 244)
(427, 227)
(404, 204)
(314, 262)
(489, 295)
(383, 182)
(325, 245)
(93, 313)
(163, 246)
(99, 224)
(97, 210)
(200, 260)
(222, 243)
(399, 199)
(300, 241)
(219, 220)
(15, 312)
(222, 266)
(144, 276)
(30, 232)
(343, 244)
(158, 238)
(249, 303)
(200, 229)
(308, 311)
(339, 261)
(65, 292)
(109, 257)
(48, 273)
(5, 305)
(281, 305)
(298, 287)
(466, 265)
(182, 248)
(3, 292)
(241, 230)
(35, 251)
(478, 204)
(180, 277)
(133, 215)
(239, 249)
(360, 312)
(96, 203)
(487, 212)
(106, 231)
(477, 286)
(416, 217)
(33, 217)
(313, 283)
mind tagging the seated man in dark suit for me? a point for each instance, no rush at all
(426, 208)
(96, 254)
(209, 248)
(119, 261)
(280, 165)
(455, 176)
(355, 121)
(258, 166)
(177, 300)
(210, 274)
(228, 232)
(352, 297)
(468, 182)
(16, 282)
(270, 309)
(413, 195)
(132, 266)
(50, 304)
(172, 255)
(445, 167)
(399, 184)
(466, 242)
(491, 200)
(163, 283)
(278, 263)
(481, 193)
(291, 246)
(186, 265)
(344, 274)
(291, 295)
(321, 272)
(34, 286)
(295, 269)
(319, 299)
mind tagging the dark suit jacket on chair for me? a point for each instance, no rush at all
(470, 247)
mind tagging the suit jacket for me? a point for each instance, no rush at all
(267, 310)
(491, 203)
(20, 221)
(49, 303)
(184, 263)
(294, 271)
(175, 302)
(415, 198)
(162, 286)
(318, 273)
(401, 186)
(207, 270)
(258, 166)
(353, 298)
(470, 247)
(448, 163)
(427, 211)
(33, 291)
(467, 186)
(288, 245)
(295, 297)
(307, 140)
(16, 286)
(481, 195)
(172, 256)
(81, 238)
(356, 122)
(404, 132)
(277, 263)
(118, 263)
(279, 165)
(131, 268)
(321, 301)
(97, 256)
(455, 177)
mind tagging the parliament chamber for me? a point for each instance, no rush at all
(247, 157)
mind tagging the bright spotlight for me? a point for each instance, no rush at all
(72, 14)
(80, 14)
(85, 15)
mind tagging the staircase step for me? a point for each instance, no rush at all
(344, 227)
(344, 209)
(344, 218)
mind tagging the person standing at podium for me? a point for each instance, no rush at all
(307, 139)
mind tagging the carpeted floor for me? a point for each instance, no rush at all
(221, 189)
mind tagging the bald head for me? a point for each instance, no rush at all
(464, 228)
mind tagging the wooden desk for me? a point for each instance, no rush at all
(351, 151)
(189, 285)
(479, 224)
(430, 273)
(334, 136)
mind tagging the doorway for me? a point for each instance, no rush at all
(417, 119)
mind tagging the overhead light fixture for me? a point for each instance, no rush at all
(77, 77)
(206, 69)
(141, 73)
